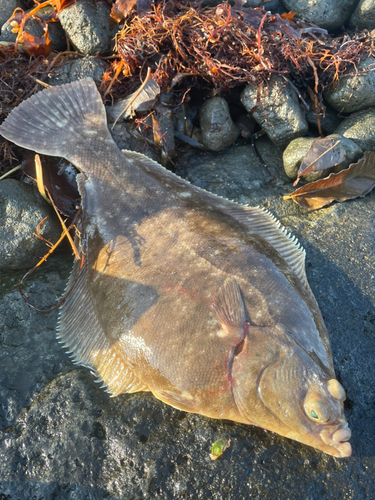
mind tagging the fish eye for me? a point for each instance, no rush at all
(317, 410)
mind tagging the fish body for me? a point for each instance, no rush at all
(201, 301)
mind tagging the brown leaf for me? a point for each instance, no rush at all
(353, 182)
(323, 154)
(122, 8)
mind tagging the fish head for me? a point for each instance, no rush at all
(282, 388)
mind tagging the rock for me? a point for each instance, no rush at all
(217, 127)
(63, 437)
(78, 69)
(7, 8)
(297, 150)
(328, 123)
(363, 16)
(294, 154)
(278, 113)
(232, 172)
(328, 14)
(355, 92)
(21, 210)
(360, 129)
(88, 26)
(32, 27)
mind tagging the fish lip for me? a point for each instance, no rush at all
(336, 436)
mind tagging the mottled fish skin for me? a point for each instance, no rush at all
(195, 298)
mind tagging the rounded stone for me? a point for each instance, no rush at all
(279, 113)
(328, 14)
(88, 26)
(294, 154)
(363, 16)
(360, 129)
(21, 210)
(86, 67)
(217, 127)
(355, 92)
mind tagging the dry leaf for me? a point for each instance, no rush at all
(353, 182)
(323, 154)
(122, 8)
(140, 100)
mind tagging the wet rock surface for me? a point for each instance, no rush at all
(63, 437)
(278, 113)
(21, 210)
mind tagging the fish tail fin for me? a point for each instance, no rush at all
(53, 121)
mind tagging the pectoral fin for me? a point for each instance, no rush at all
(229, 308)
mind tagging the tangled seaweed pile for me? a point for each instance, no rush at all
(225, 47)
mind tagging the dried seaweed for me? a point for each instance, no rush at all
(224, 47)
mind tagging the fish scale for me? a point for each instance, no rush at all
(201, 301)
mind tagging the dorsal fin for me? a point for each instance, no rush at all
(269, 228)
(229, 307)
(80, 332)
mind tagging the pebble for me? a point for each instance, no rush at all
(88, 26)
(217, 127)
(80, 68)
(278, 113)
(355, 92)
(328, 14)
(363, 16)
(21, 210)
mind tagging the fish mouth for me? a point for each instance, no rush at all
(337, 437)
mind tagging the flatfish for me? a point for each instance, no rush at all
(197, 299)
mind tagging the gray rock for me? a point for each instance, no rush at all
(32, 27)
(354, 93)
(21, 210)
(217, 127)
(77, 70)
(7, 8)
(360, 129)
(329, 14)
(297, 150)
(278, 113)
(364, 15)
(62, 437)
(88, 26)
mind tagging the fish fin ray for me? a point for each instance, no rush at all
(51, 122)
(266, 225)
(81, 334)
(229, 306)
